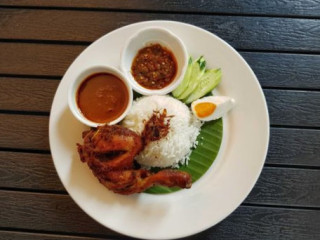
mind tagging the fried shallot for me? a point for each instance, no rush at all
(156, 127)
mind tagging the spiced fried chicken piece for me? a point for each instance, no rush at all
(109, 152)
(136, 181)
(109, 148)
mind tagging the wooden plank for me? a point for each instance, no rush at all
(27, 94)
(293, 108)
(47, 212)
(14, 235)
(294, 147)
(273, 7)
(24, 131)
(255, 33)
(28, 171)
(285, 186)
(37, 59)
(285, 70)
(272, 69)
(265, 223)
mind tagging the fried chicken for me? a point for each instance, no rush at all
(110, 148)
(109, 152)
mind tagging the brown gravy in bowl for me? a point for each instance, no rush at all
(102, 97)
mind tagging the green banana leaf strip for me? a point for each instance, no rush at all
(201, 157)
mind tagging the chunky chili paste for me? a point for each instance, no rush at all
(154, 67)
(102, 97)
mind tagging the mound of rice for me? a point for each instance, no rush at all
(175, 148)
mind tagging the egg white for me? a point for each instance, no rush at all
(223, 105)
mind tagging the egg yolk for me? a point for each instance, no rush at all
(204, 109)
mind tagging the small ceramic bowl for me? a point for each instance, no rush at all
(73, 88)
(147, 37)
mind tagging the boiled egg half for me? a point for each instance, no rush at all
(212, 107)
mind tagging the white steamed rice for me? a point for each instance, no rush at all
(175, 148)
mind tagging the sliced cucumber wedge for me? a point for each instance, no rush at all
(198, 69)
(197, 82)
(206, 83)
(185, 82)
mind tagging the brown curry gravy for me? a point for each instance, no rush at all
(102, 97)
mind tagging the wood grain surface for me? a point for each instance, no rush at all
(27, 94)
(296, 147)
(15, 235)
(255, 33)
(24, 131)
(51, 212)
(46, 212)
(280, 70)
(293, 108)
(29, 171)
(304, 8)
(285, 186)
(36, 59)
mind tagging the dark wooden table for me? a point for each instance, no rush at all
(280, 39)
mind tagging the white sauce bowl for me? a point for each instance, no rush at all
(145, 38)
(74, 86)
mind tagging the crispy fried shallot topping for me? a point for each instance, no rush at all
(156, 127)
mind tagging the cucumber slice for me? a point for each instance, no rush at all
(185, 82)
(198, 69)
(206, 83)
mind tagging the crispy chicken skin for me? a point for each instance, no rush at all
(109, 148)
(135, 181)
(109, 152)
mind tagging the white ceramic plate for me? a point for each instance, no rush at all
(218, 193)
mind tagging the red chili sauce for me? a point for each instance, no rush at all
(102, 97)
(154, 67)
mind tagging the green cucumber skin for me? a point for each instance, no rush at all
(185, 82)
(206, 84)
(197, 82)
(198, 69)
